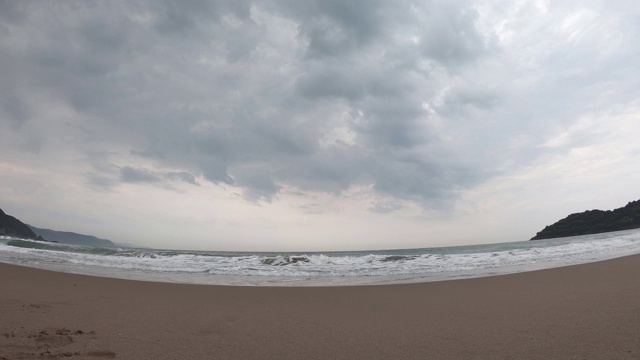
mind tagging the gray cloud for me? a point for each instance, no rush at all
(34, 144)
(181, 176)
(130, 174)
(333, 28)
(188, 18)
(450, 35)
(418, 100)
(461, 102)
(15, 109)
(138, 175)
(100, 182)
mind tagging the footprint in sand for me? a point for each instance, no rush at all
(49, 343)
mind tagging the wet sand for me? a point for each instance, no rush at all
(589, 311)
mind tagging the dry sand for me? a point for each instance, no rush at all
(587, 311)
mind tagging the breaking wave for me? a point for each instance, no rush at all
(423, 263)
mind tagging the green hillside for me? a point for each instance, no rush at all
(594, 222)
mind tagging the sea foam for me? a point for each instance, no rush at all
(320, 268)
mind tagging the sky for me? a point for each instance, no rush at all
(316, 125)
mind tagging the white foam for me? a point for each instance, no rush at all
(321, 269)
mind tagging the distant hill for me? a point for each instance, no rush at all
(594, 222)
(10, 226)
(65, 237)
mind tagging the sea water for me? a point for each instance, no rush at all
(320, 268)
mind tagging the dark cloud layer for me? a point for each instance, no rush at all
(310, 96)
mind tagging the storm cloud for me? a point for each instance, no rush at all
(314, 96)
(419, 102)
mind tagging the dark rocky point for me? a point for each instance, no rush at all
(10, 226)
(594, 222)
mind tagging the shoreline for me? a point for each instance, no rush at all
(320, 270)
(270, 281)
(579, 311)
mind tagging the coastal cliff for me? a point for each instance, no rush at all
(594, 222)
(10, 226)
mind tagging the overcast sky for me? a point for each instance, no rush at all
(316, 125)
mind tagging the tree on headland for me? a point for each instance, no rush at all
(594, 222)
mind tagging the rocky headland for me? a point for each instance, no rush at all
(594, 222)
(10, 226)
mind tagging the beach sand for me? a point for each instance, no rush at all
(589, 311)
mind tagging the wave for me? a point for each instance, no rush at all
(476, 258)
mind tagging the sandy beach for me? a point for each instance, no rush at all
(589, 311)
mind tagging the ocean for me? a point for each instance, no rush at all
(319, 268)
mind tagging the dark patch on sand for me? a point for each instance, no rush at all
(49, 343)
